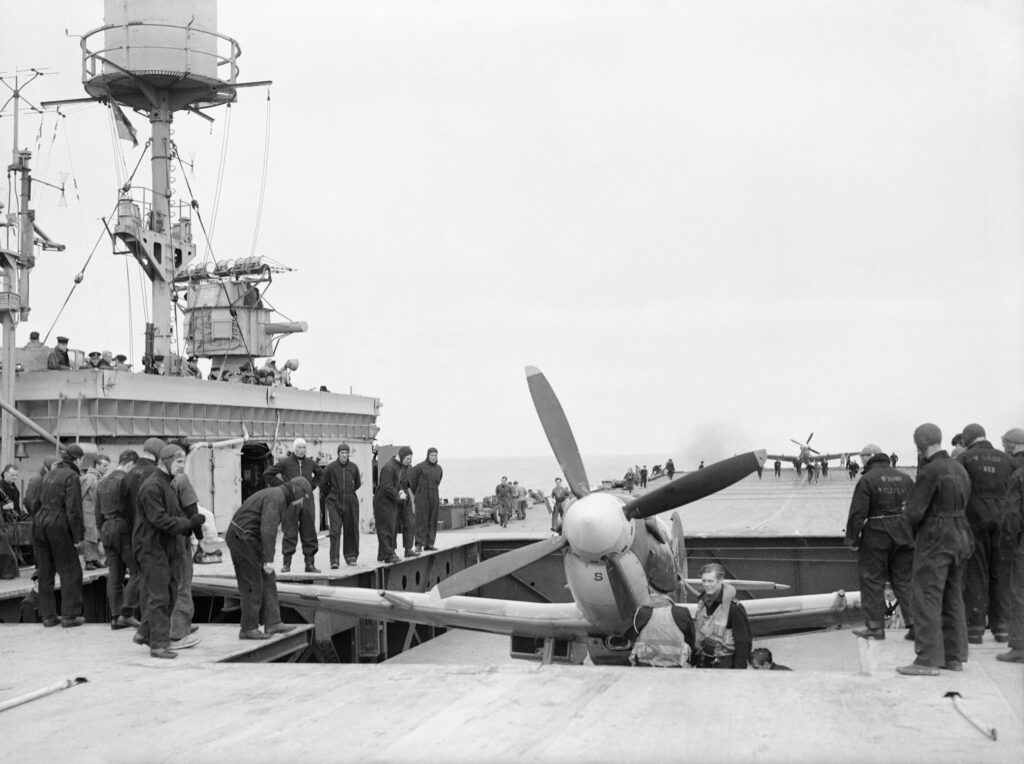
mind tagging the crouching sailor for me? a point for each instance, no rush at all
(251, 539)
(662, 631)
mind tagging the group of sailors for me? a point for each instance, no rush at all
(511, 501)
(146, 510)
(269, 374)
(950, 542)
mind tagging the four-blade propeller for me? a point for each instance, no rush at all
(683, 490)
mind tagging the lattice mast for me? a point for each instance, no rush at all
(159, 58)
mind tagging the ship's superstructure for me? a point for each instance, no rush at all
(160, 59)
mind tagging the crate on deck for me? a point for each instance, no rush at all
(452, 515)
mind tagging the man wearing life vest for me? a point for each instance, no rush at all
(662, 631)
(723, 632)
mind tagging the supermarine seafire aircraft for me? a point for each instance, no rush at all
(609, 547)
(808, 455)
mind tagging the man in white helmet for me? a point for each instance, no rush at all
(297, 521)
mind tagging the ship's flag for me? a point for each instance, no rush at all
(125, 131)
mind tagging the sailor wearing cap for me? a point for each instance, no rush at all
(159, 523)
(251, 537)
(1013, 528)
(120, 363)
(986, 578)
(57, 529)
(192, 367)
(942, 544)
(877, 530)
(385, 503)
(58, 360)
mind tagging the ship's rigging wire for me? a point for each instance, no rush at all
(79, 277)
(263, 179)
(131, 320)
(221, 164)
(71, 161)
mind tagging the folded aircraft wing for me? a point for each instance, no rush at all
(561, 620)
(782, 615)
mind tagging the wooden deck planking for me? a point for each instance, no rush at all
(423, 712)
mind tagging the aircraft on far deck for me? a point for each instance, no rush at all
(610, 548)
(809, 456)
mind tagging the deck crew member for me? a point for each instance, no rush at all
(156, 543)
(1013, 535)
(120, 363)
(93, 362)
(130, 486)
(761, 659)
(505, 495)
(662, 632)
(57, 529)
(10, 497)
(192, 367)
(723, 632)
(670, 468)
(405, 520)
(184, 609)
(942, 544)
(986, 585)
(520, 500)
(298, 521)
(251, 538)
(58, 359)
(33, 341)
(425, 479)
(385, 503)
(338, 485)
(35, 483)
(114, 516)
(106, 360)
(91, 544)
(878, 531)
(559, 493)
(10, 512)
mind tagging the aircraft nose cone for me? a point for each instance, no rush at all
(595, 526)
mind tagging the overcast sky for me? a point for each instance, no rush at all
(715, 226)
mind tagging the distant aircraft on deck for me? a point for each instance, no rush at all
(809, 456)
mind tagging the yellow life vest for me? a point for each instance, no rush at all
(660, 643)
(712, 628)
